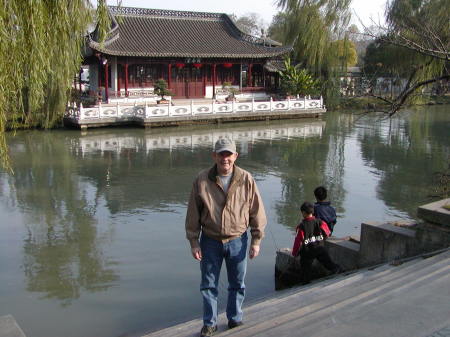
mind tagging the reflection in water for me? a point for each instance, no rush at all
(198, 138)
(407, 152)
(94, 221)
(306, 164)
(167, 161)
(62, 247)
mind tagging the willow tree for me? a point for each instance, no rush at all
(312, 26)
(422, 29)
(41, 45)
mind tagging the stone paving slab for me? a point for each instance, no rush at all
(9, 327)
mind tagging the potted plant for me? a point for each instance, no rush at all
(232, 92)
(160, 89)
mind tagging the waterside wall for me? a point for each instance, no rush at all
(377, 243)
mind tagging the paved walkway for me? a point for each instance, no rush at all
(407, 300)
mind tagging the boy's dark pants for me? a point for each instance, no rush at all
(307, 257)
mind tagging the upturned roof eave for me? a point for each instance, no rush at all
(97, 47)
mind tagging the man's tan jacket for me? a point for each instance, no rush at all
(221, 216)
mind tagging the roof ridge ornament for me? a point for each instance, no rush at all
(116, 10)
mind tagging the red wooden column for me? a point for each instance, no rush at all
(214, 80)
(126, 79)
(249, 76)
(106, 81)
(118, 82)
(169, 71)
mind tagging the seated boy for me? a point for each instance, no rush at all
(308, 243)
(323, 209)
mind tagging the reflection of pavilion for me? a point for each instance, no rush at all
(199, 138)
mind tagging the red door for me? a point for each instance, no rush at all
(187, 82)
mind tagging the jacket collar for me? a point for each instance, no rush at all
(237, 174)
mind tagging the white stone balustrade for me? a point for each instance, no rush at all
(145, 111)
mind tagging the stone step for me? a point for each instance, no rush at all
(437, 212)
(322, 302)
(321, 298)
(362, 302)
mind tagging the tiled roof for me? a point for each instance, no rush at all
(167, 33)
(275, 65)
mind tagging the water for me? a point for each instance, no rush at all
(92, 225)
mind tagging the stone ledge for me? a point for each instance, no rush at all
(344, 252)
(385, 242)
(435, 212)
(9, 327)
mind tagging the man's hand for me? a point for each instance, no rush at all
(254, 251)
(196, 253)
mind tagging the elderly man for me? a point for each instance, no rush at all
(224, 203)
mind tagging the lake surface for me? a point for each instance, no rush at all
(92, 238)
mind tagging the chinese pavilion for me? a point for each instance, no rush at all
(195, 52)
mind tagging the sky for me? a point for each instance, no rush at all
(364, 9)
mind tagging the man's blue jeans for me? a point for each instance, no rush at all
(235, 255)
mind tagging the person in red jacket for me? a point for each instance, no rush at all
(308, 243)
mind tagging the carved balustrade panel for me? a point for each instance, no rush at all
(261, 106)
(296, 105)
(203, 109)
(157, 111)
(180, 110)
(90, 113)
(139, 111)
(126, 112)
(280, 105)
(108, 112)
(223, 108)
(314, 104)
(243, 107)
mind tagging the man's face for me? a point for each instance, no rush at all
(225, 161)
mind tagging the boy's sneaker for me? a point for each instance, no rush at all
(233, 324)
(208, 331)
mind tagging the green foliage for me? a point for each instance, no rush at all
(346, 55)
(160, 88)
(227, 86)
(420, 25)
(311, 26)
(297, 81)
(40, 53)
(277, 29)
(414, 44)
(383, 59)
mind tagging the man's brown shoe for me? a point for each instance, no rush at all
(208, 331)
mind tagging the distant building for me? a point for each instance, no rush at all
(195, 52)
